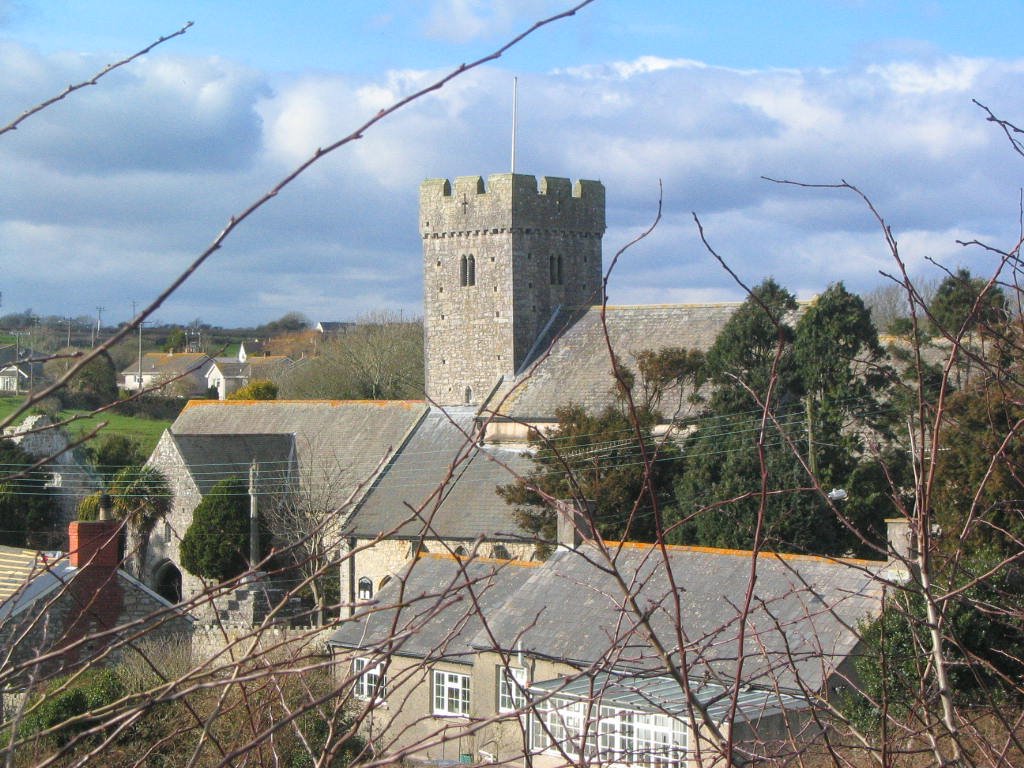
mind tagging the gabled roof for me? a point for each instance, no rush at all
(212, 458)
(574, 349)
(801, 625)
(229, 367)
(339, 443)
(169, 363)
(442, 600)
(47, 575)
(444, 468)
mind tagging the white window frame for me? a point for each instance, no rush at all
(364, 589)
(619, 736)
(450, 694)
(371, 681)
(511, 688)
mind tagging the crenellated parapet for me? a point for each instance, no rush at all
(498, 259)
(511, 202)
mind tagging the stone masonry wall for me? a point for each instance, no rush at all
(533, 247)
(380, 560)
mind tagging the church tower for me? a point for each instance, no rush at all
(497, 261)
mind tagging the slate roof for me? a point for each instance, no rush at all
(801, 626)
(579, 355)
(212, 458)
(46, 577)
(442, 599)
(465, 506)
(170, 363)
(339, 443)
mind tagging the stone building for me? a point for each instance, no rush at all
(607, 653)
(61, 610)
(497, 261)
(71, 476)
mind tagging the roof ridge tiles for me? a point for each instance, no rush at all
(228, 403)
(469, 559)
(743, 552)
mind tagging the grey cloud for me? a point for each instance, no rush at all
(112, 194)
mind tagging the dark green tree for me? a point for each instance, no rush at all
(29, 513)
(176, 341)
(95, 384)
(742, 360)
(663, 373)
(216, 544)
(818, 383)
(953, 307)
(984, 642)
(596, 459)
(115, 452)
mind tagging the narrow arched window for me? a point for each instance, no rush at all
(463, 270)
(365, 590)
(469, 395)
(559, 270)
(552, 269)
(470, 270)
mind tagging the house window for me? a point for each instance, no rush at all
(500, 552)
(371, 682)
(642, 739)
(365, 590)
(557, 725)
(511, 685)
(451, 693)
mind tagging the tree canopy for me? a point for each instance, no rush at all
(28, 508)
(953, 307)
(216, 544)
(596, 459)
(788, 409)
(259, 389)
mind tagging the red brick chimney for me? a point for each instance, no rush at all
(98, 599)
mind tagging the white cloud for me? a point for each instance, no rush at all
(116, 189)
(463, 20)
(956, 74)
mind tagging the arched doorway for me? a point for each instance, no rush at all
(168, 582)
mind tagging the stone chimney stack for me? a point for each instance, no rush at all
(575, 523)
(95, 550)
(96, 544)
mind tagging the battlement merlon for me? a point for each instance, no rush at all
(511, 200)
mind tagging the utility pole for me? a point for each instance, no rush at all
(99, 323)
(138, 380)
(254, 521)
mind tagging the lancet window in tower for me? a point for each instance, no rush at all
(555, 269)
(467, 270)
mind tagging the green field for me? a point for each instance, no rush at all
(145, 431)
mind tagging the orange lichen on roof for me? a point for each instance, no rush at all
(404, 404)
(742, 552)
(467, 558)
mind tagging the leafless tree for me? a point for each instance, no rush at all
(271, 695)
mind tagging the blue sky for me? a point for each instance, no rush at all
(109, 194)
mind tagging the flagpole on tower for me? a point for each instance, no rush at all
(515, 107)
